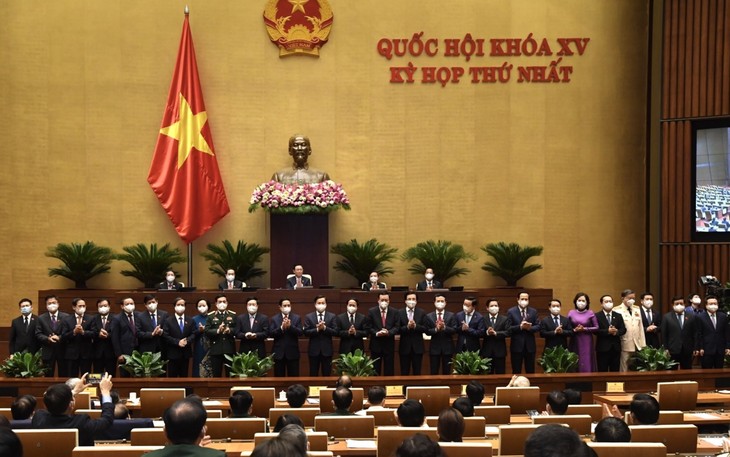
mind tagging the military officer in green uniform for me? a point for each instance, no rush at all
(220, 328)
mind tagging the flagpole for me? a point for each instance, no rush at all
(190, 265)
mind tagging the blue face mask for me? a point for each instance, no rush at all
(25, 310)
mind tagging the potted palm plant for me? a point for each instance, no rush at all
(470, 362)
(355, 363)
(510, 261)
(149, 263)
(249, 364)
(81, 262)
(359, 260)
(243, 258)
(442, 256)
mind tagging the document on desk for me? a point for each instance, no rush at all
(716, 442)
(361, 444)
(705, 416)
(212, 403)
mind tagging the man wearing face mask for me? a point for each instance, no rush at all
(651, 319)
(320, 327)
(49, 331)
(469, 326)
(101, 328)
(383, 323)
(694, 301)
(352, 328)
(430, 282)
(78, 339)
(441, 326)
(374, 283)
(712, 335)
(22, 329)
(231, 283)
(286, 328)
(556, 328)
(170, 282)
(634, 339)
(150, 327)
(253, 328)
(679, 331)
(523, 325)
(412, 326)
(608, 341)
(178, 335)
(124, 333)
(495, 337)
(220, 328)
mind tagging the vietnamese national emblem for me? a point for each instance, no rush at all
(298, 26)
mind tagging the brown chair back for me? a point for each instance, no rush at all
(595, 411)
(148, 437)
(676, 438)
(629, 449)
(346, 426)
(154, 401)
(235, 429)
(473, 426)
(325, 399)
(82, 400)
(263, 399)
(512, 438)
(434, 398)
(467, 449)
(317, 440)
(113, 451)
(520, 399)
(383, 416)
(58, 442)
(92, 413)
(305, 414)
(6, 413)
(494, 415)
(389, 438)
(580, 423)
(680, 395)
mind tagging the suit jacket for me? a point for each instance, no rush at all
(468, 340)
(652, 339)
(320, 343)
(442, 341)
(171, 336)
(164, 286)
(291, 282)
(86, 426)
(147, 342)
(679, 340)
(349, 343)
(221, 343)
(22, 338)
(606, 342)
(237, 285)
(79, 346)
(124, 336)
(423, 285)
(286, 342)
(260, 328)
(44, 329)
(411, 340)
(522, 340)
(552, 339)
(383, 344)
(495, 345)
(186, 450)
(634, 337)
(103, 347)
(712, 339)
(368, 286)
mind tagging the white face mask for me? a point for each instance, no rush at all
(581, 304)
(320, 307)
(52, 308)
(221, 306)
(630, 301)
(440, 305)
(429, 276)
(25, 310)
(696, 300)
(151, 307)
(383, 304)
(648, 303)
(170, 278)
(608, 306)
(523, 303)
(494, 310)
(103, 310)
(285, 310)
(467, 310)
(129, 308)
(555, 310)
(252, 309)
(203, 309)
(180, 309)
(373, 279)
(80, 310)
(230, 277)
(411, 304)
(711, 308)
(352, 309)
(679, 309)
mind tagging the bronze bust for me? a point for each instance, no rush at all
(300, 173)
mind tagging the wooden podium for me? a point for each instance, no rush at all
(299, 239)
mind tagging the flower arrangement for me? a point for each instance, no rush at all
(281, 198)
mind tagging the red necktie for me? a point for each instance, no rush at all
(383, 314)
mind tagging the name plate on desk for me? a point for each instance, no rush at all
(615, 387)
(393, 390)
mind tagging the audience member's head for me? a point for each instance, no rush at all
(612, 430)
(557, 403)
(450, 425)
(57, 399)
(411, 413)
(573, 396)
(196, 398)
(277, 447)
(475, 392)
(121, 411)
(240, 403)
(342, 398)
(23, 407)
(72, 382)
(554, 440)
(297, 436)
(464, 406)
(185, 422)
(10, 445)
(644, 409)
(287, 419)
(519, 381)
(419, 445)
(376, 395)
(114, 393)
(344, 381)
(296, 395)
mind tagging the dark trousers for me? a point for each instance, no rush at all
(217, 365)
(77, 367)
(440, 361)
(684, 359)
(518, 358)
(286, 367)
(178, 368)
(499, 365)
(385, 363)
(106, 365)
(317, 361)
(410, 362)
(608, 360)
(713, 360)
(54, 363)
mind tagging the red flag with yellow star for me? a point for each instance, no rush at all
(184, 171)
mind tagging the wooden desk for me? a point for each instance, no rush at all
(703, 398)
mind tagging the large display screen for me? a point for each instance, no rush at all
(712, 179)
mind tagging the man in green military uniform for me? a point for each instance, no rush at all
(220, 328)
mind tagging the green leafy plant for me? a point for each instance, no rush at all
(510, 260)
(243, 258)
(440, 255)
(149, 263)
(651, 359)
(144, 365)
(81, 262)
(470, 362)
(354, 364)
(558, 359)
(249, 364)
(359, 260)
(23, 365)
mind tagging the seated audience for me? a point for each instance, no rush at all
(573, 396)
(464, 406)
(241, 403)
(277, 447)
(612, 430)
(296, 395)
(23, 407)
(376, 397)
(411, 413)
(341, 400)
(10, 445)
(518, 381)
(287, 419)
(555, 440)
(557, 403)
(644, 409)
(185, 430)
(475, 392)
(450, 425)
(296, 435)
(121, 411)
(344, 381)
(419, 445)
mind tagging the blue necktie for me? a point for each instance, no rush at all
(182, 324)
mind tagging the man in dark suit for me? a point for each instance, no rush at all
(22, 329)
(496, 332)
(231, 283)
(441, 326)
(412, 326)
(320, 326)
(252, 329)
(149, 327)
(652, 320)
(185, 429)
(101, 328)
(352, 328)
(220, 328)
(430, 282)
(286, 328)
(59, 410)
(712, 334)
(49, 331)
(298, 280)
(523, 325)
(608, 340)
(469, 326)
(79, 338)
(383, 323)
(555, 328)
(679, 331)
(178, 335)
(170, 282)
(124, 333)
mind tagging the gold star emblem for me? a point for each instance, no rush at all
(298, 5)
(187, 132)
